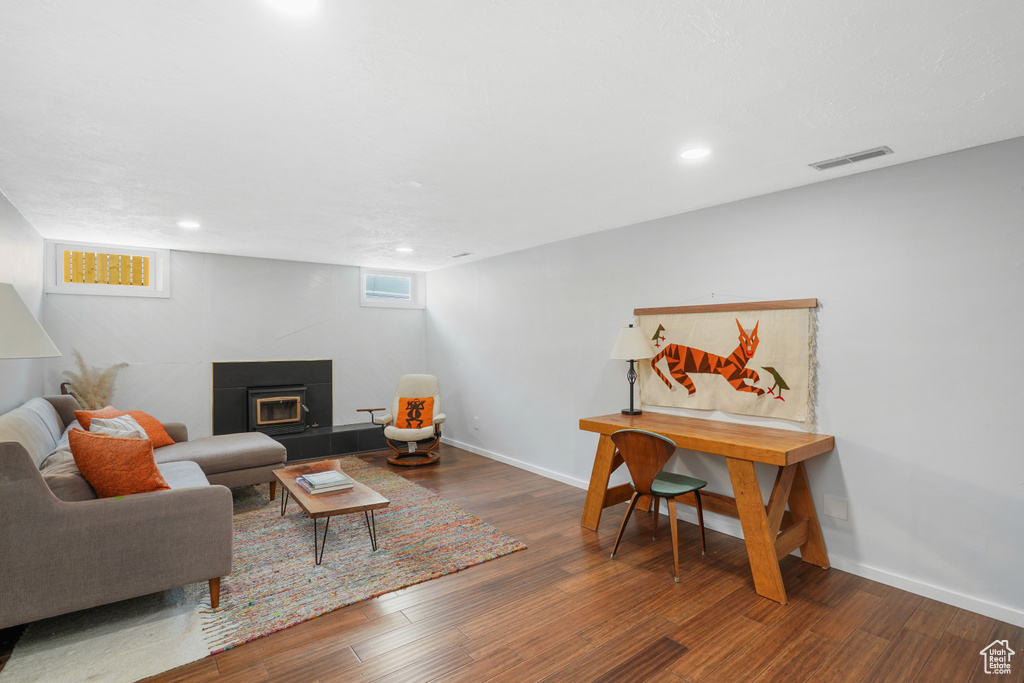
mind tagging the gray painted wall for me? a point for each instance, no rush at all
(21, 264)
(919, 269)
(228, 308)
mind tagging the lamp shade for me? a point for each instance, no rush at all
(21, 335)
(631, 344)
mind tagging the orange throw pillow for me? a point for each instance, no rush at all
(85, 417)
(157, 434)
(414, 413)
(114, 466)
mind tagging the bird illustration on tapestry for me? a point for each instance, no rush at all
(658, 336)
(684, 360)
(780, 383)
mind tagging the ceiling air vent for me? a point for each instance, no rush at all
(851, 158)
(465, 253)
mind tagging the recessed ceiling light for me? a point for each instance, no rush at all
(296, 8)
(189, 225)
(696, 153)
(404, 249)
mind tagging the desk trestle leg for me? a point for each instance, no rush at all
(771, 532)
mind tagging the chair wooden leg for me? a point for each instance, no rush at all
(629, 510)
(675, 533)
(273, 490)
(654, 515)
(700, 523)
(215, 592)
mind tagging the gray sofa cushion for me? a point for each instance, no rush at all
(48, 414)
(225, 452)
(35, 425)
(65, 481)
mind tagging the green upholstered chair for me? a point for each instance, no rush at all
(645, 454)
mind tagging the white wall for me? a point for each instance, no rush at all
(21, 264)
(919, 272)
(227, 308)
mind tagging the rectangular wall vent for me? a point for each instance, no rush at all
(851, 158)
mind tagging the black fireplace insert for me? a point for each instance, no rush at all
(277, 410)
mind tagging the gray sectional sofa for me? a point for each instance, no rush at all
(62, 549)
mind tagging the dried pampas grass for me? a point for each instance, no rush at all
(92, 387)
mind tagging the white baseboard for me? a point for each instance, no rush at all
(549, 474)
(918, 587)
(730, 526)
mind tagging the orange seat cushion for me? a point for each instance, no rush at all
(114, 466)
(154, 428)
(414, 413)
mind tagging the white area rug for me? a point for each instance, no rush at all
(145, 636)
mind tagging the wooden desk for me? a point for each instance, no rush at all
(770, 532)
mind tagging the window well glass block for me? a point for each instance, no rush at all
(389, 287)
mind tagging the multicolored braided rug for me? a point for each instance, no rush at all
(274, 584)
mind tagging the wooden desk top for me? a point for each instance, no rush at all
(746, 442)
(356, 499)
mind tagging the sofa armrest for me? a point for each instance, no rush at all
(440, 418)
(58, 556)
(383, 419)
(65, 405)
(177, 431)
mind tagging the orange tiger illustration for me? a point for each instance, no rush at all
(684, 359)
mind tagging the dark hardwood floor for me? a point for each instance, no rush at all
(564, 611)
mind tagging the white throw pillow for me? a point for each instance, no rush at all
(124, 426)
(63, 444)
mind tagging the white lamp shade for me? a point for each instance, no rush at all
(21, 335)
(631, 344)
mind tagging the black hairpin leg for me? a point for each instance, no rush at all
(319, 555)
(284, 501)
(371, 526)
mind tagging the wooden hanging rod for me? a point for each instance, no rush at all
(748, 306)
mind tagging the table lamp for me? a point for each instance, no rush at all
(21, 335)
(631, 345)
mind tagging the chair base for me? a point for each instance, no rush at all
(414, 459)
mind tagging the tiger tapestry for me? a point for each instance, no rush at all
(748, 362)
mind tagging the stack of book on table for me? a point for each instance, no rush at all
(324, 482)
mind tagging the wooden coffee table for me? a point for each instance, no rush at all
(359, 498)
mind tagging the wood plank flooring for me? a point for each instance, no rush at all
(564, 611)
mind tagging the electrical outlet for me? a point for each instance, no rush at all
(836, 507)
(476, 423)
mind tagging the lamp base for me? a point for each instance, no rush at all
(629, 411)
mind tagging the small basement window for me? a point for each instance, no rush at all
(77, 268)
(391, 288)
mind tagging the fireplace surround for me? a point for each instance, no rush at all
(292, 402)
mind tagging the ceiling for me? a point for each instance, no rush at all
(474, 126)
